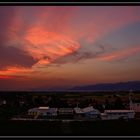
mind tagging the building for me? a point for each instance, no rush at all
(136, 107)
(89, 112)
(65, 111)
(42, 111)
(117, 114)
(33, 111)
(78, 110)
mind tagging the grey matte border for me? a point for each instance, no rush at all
(69, 3)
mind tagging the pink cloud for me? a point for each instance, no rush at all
(49, 33)
(121, 54)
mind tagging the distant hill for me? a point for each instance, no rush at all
(122, 86)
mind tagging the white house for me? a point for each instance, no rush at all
(43, 111)
(78, 110)
(88, 111)
(65, 111)
(117, 114)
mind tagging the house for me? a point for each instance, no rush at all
(89, 112)
(42, 111)
(117, 114)
(78, 110)
(65, 111)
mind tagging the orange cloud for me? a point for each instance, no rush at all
(52, 32)
(46, 46)
(11, 71)
(119, 54)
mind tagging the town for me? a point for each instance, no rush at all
(69, 113)
(69, 106)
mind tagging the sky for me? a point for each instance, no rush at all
(60, 47)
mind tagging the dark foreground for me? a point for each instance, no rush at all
(94, 128)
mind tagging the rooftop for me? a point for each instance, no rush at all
(117, 111)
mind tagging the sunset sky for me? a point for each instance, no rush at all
(67, 46)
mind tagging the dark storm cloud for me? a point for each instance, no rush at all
(80, 55)
(10, 56)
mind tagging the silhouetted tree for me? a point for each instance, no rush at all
(118, 103)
